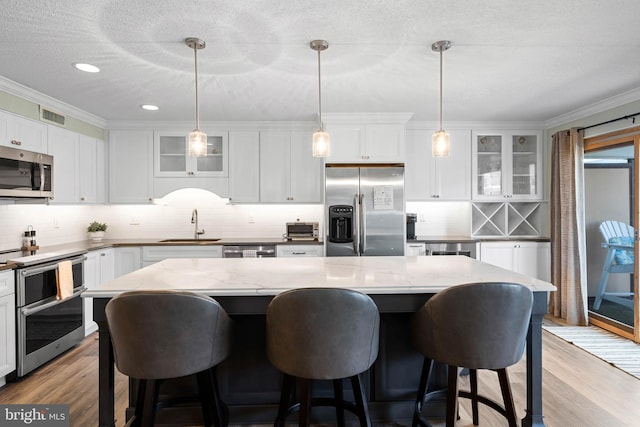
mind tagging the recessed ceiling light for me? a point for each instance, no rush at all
(86, 67)
(150, 107)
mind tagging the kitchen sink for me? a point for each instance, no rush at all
(188, 240)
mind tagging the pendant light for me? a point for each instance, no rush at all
(197, 140)
(440, 141)
(321, 140)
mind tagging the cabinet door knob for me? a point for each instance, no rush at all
(14, 142)
(82, 199)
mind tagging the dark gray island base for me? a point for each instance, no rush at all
(250, 386)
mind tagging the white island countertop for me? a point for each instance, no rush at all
(270, 276)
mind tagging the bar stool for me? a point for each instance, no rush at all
(322, 334)
(475, 326)
(158, 335)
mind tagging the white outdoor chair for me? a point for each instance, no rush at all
(619, 241)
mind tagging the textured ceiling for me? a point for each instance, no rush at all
(510, 60)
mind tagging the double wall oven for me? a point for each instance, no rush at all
(46, 326)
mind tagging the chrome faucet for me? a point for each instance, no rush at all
(194, 220)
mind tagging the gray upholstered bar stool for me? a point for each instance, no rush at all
(475, 326)
(158, 335)
(322, 334)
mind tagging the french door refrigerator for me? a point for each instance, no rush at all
(364, 210)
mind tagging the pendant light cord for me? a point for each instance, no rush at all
(195, 55)
(320, 125)
(440, 87)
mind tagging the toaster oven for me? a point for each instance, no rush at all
(302, 231)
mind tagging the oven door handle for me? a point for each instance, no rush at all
(30, 271)
(26, 311)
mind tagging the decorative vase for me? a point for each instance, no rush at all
(96, 236)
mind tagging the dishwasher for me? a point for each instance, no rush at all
(242, 251)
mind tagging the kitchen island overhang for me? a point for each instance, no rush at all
(244, 287)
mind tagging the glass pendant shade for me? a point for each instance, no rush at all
(321, 144)
(440, 144)
(197, 143)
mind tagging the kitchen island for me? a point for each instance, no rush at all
(245, 286)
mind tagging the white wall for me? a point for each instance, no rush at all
(169, 217)
(441, 218)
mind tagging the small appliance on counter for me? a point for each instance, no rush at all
(411, 226)
(302, 231)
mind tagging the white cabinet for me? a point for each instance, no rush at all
(415, 249)
(507, 165)
(529, 258)
(299, 250)
(127, 259)
(63, 146)
(244, 166)
(171, 158)
(130, 166)
(375, 143)
(288, 171)
(25, 134)
(153, 254)
(91, 174)
(437, 178)
(78, 167)
(508, 219)
(7, 324)
(99, 267)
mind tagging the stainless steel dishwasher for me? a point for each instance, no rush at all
(254, 251)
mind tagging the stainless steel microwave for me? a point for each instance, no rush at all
(25, 174)
(302, 231)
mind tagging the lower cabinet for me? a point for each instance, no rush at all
(127, 259)
(7, 324)
(99, 267)
(529, 258)
(415, 249)
(299, 250)
(153, 254)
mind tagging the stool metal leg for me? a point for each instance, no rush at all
(361, 402)
(452, 396)
(206, 396)
(473, 377)
(286, 397)
(422, 389)
(338, 396)
(152, 387)
(507, 397)
(305, 402)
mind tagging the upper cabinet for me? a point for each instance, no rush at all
(507, 165)
(437, 178)
(288, 171)
(171, 159)
(244, 166)
(78, 167)
(18, 132)
(366, 138)
(130, 166)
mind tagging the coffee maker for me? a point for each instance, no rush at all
(411, 226)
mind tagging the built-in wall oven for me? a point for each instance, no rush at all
(46, 326)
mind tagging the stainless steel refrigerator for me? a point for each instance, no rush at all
(364, 210)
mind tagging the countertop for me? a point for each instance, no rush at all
(109, 243)
(270, 276)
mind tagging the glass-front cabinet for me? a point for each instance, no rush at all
(507, 165)
(171, 159)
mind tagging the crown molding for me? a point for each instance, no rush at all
(39, 98)
(471, 125)
(355, 118)
(595, 108)
(187, 126)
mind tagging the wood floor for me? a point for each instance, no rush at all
(579, 389)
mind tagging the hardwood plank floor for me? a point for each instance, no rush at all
(578, 389)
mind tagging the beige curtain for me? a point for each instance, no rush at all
(568, 247)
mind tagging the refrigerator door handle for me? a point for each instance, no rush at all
(363, 226)
(355, 230)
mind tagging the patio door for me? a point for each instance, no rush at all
(611, 194)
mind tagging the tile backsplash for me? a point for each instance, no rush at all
(170, 217)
